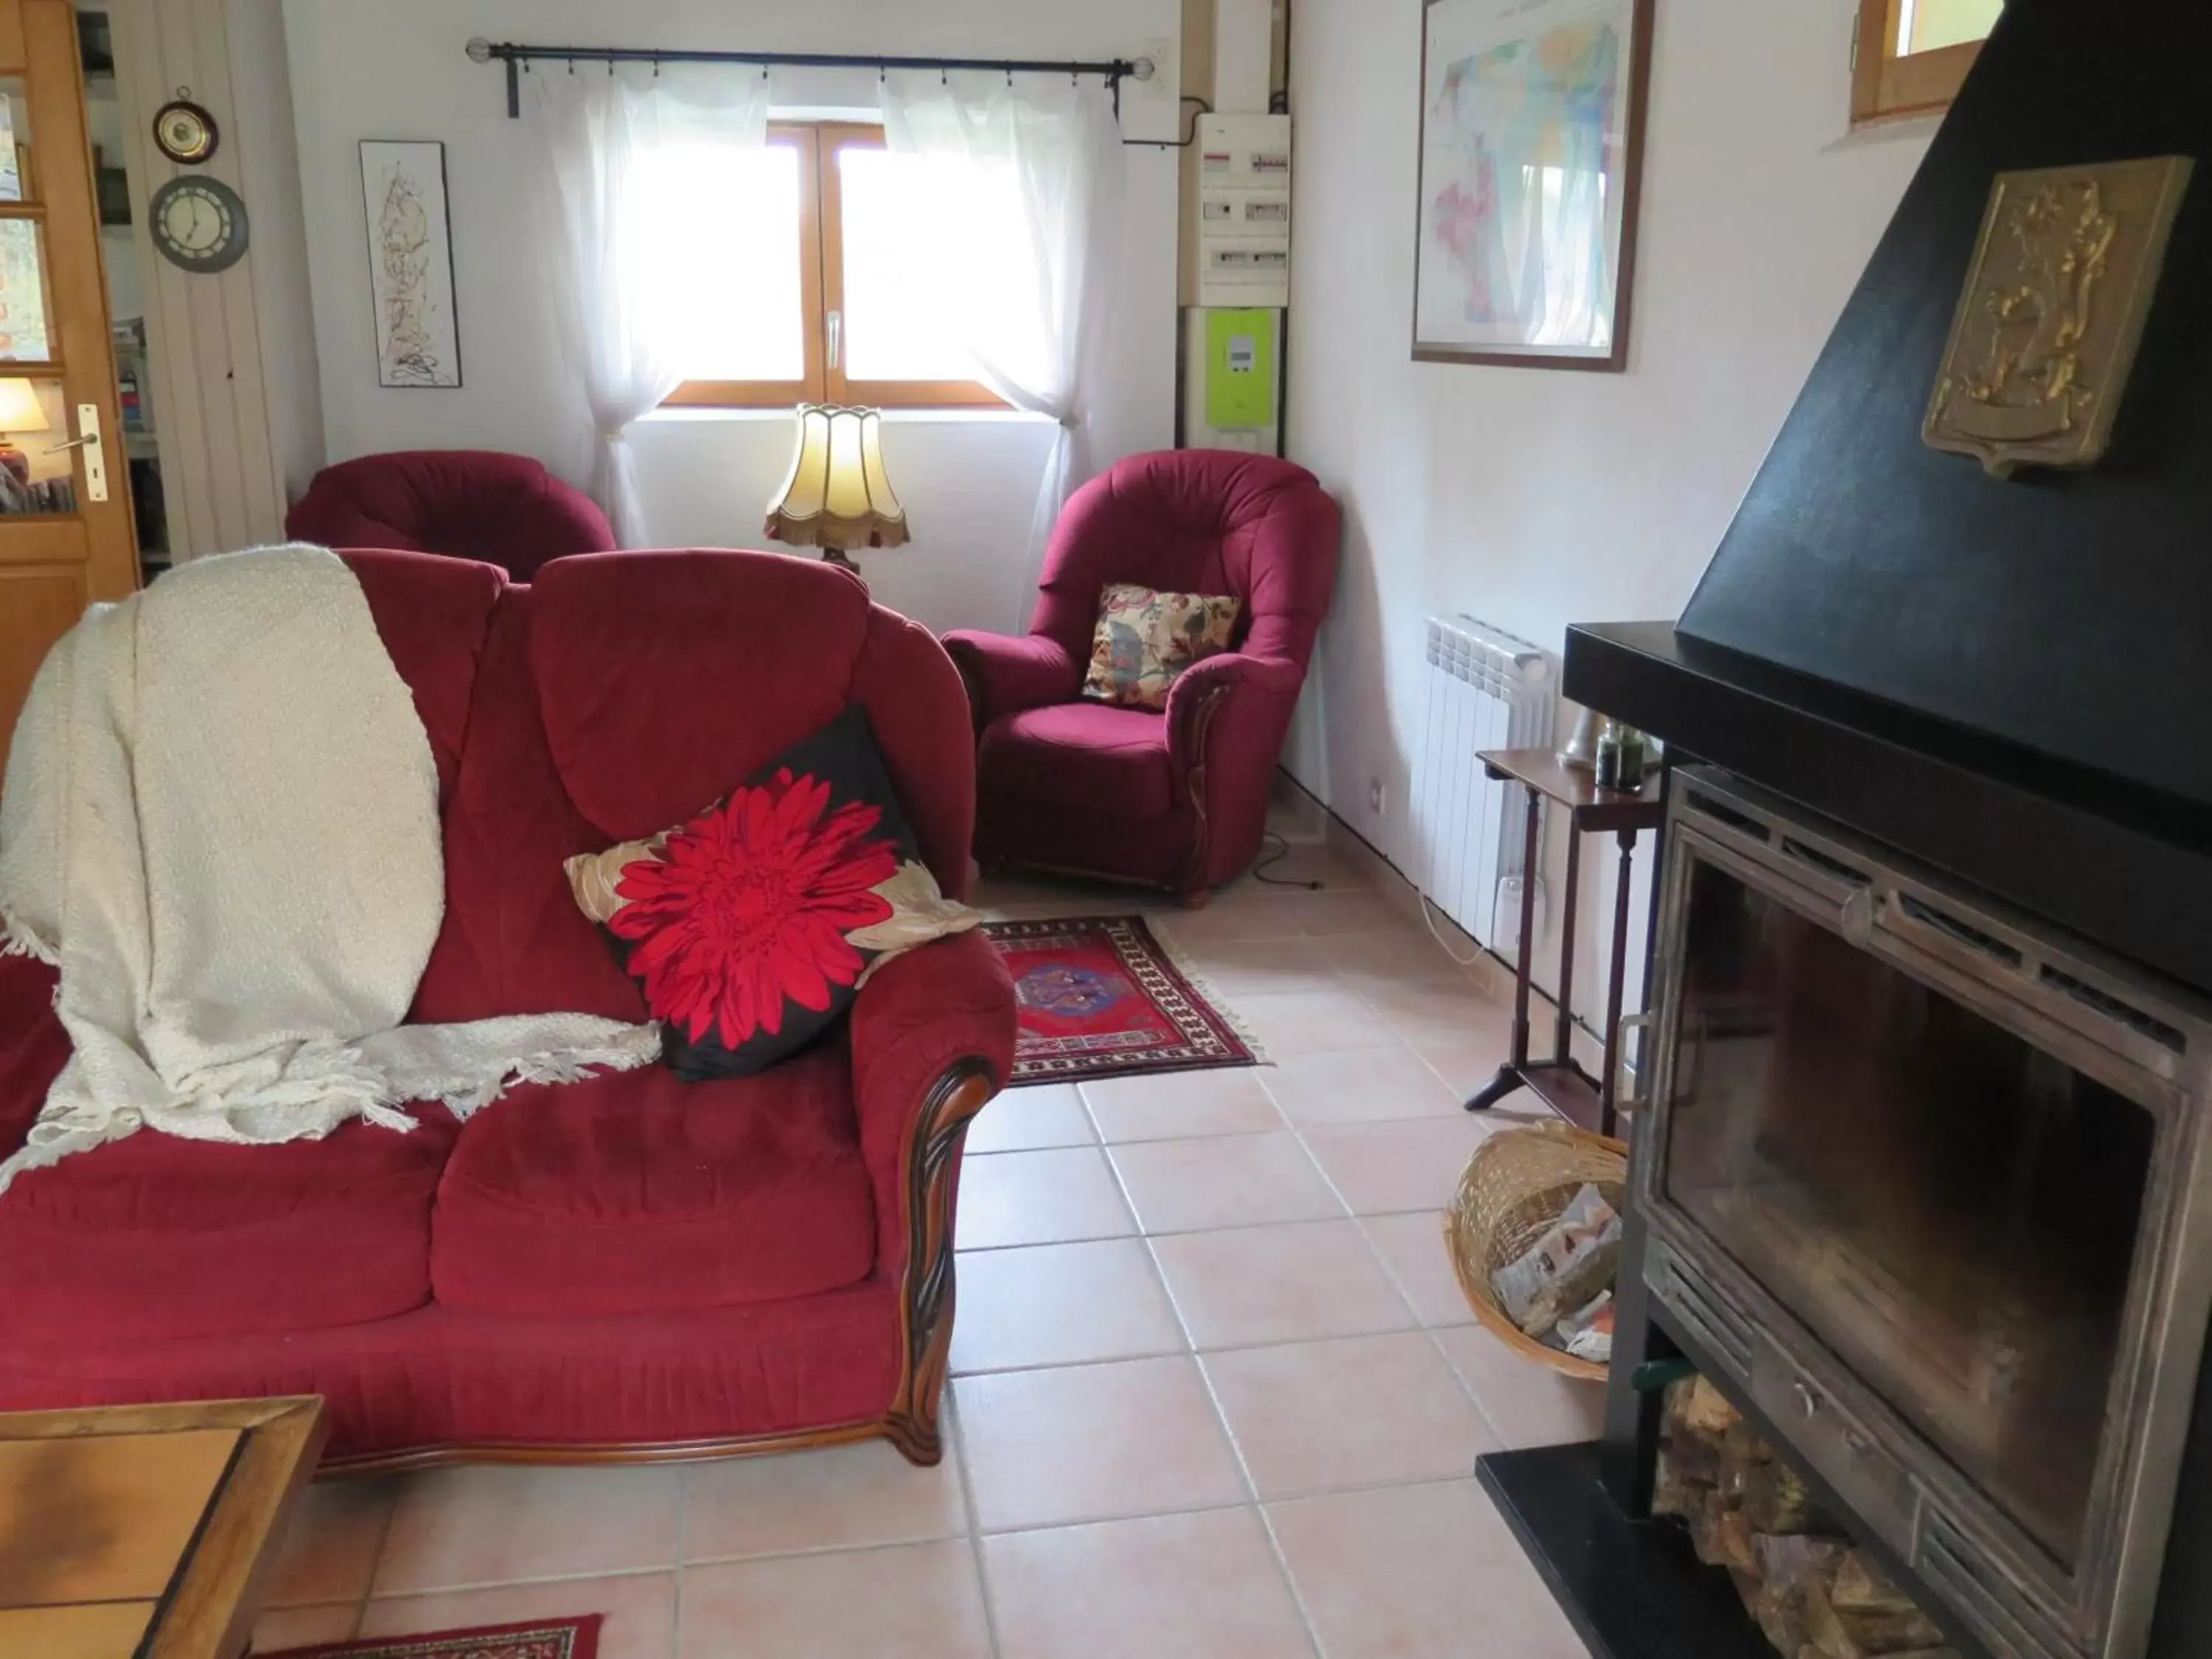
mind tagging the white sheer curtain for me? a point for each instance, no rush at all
(1026, 175)
(617, 231)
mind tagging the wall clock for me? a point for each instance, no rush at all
(185, 132)
(199, 223)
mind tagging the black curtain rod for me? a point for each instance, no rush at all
(1113, 71)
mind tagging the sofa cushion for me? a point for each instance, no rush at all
(1090, 756)
(750, 926)
(433, 615)
(638, 1191)
(155, 1236)
(1146, 638)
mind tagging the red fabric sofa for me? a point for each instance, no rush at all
(630, 1266)
(1177, 799)
(506, 510)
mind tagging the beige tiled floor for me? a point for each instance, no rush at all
(1215, 1391)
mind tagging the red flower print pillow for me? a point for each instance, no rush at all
(752, 927)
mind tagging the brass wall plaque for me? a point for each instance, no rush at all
(2046, 330)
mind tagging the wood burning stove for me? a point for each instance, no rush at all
(1923, 1189)
(1927, 1182)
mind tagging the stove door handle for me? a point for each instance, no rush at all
(1639, 1026)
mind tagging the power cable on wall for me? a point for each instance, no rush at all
(1205, 107)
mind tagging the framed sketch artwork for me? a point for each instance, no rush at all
(1532, 140)
(411, 264)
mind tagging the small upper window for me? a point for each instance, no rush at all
(1912, 56)
(810, 295)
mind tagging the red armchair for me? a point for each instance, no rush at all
(506, 510)
(626, 1268)
(1177, 799)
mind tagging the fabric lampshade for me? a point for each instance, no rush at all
(837, 495)
(19, 408)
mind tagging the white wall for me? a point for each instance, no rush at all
(396, 70)
(1537, 498)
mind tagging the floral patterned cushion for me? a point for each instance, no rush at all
(752, 927)
(1146, 638)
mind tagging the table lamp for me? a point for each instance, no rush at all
(837, 495)
(20, 411)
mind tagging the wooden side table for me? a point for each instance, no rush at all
(143, 1531)
(1559, 1082)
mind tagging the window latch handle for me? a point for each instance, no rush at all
(836, 329)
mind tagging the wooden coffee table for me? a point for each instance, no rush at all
(142, 1532)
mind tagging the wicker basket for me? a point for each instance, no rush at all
(1519, 1183)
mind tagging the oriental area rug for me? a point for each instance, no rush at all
(1101, 996)
(542, 1638)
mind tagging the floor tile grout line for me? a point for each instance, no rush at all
(1291, 1582)
(683, 1494)
(975, 1533)
(376, 1560)
(1186, 1233)
(973, 1514)
(1466, 1387)
(1290, 1125)
(1175, 1511)
(1414, 1325)
(1258, 1505)
(478, 1586)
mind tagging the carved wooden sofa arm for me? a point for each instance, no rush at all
(932, 1039)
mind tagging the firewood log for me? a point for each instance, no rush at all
(1780, 1613)
(1856, 1633)
(1704, 1410)
(1673, 1494)
(1694, 1456)
(1705, 1530)
(1786, 1560)
(1862, 1586)
(1778, 1500)
(1734, 1534)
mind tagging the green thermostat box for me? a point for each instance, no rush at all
(1240, 369)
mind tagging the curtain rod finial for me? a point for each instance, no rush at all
(478, 49)
(1144, 69)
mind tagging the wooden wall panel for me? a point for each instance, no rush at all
(219, 465)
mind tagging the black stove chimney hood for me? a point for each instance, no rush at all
(2011, 679)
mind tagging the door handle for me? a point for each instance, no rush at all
(1639, 1027)
(95, 453)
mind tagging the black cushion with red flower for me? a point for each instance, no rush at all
(752, 927)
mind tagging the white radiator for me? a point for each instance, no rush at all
(1486, 690)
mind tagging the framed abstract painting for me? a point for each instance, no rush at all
(1532, 142)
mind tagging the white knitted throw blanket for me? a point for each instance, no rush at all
(221, 822)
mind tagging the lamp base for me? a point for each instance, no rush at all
(837, 555)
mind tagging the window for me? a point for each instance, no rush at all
(1912, 56)
(815, 295)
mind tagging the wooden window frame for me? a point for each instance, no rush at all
(1888, 85)
(836, 138)
(821, 298)
(782, 394)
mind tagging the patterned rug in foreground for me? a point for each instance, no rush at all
(542, 1638)
(1101, 997)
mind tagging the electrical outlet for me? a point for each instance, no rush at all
(1378, 799)
(1164, 50)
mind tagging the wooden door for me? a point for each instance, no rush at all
(61, 545)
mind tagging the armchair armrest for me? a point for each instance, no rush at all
(932, 1038)
(1196, 699)
(34, 1047)
(1004, 675)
